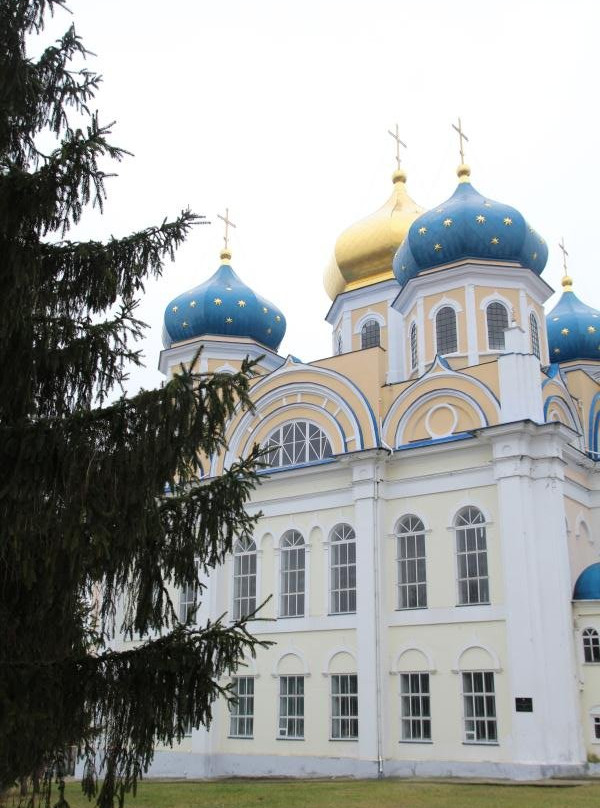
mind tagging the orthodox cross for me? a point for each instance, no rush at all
(461, 136)
(399, 143)
(228, 224)
(564, 252)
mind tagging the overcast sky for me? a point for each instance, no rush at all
(279, 110)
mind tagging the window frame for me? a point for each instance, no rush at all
(418, 701)
(498, 334)
(439, 352)
(415, 529)
(287, 573)
(482, 718)
(345, 541)
(297, 716)
(414, 345)
(349, 698)
(482, 581)
(368, 329)
(188, 601)
(240, 575)
(276, 446)
(591, 645)
(534, 335)
(244, 700)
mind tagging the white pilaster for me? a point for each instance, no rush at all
(346, 332)
(471, 315)
(396, 349)
(520, 383)
(421, 336)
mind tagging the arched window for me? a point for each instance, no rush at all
(497, 321)
(244, 578)
(370, 334)
(591, 645)
(535, 335)
(412, 573)
(291, 598)
(338, 342)
(414, 358)
(471, 556)
(445, 331)
(343, 569)
(297, 442)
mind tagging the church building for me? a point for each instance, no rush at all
(430, 529)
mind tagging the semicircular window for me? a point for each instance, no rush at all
(295, 443)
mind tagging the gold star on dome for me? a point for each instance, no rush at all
(591, 329)
(193, 304)
(265, 310)
(422, 231)
(185, 323)
(487, 204)
(447, 222)
(268, 330)
(241, 303)
(277, 318)
(495, 240)
(174, 309)
(480, 219)
(534, 256)
(507, 221)
(564, 332)
(217, 301)
(229, 319)
(439, 210)
(228, 288)
(555, 319)
(437, 247)
(557, 350)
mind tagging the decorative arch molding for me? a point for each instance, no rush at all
(496, 297)
(266, 539)
(370, 315)
(291, 652)
(410, 512)
(247, 668)
(445, 301)
(582, 528)
(561, 406)
(469, 503)
(407, 649)
(594, 428)
(339, 649)
(445, 397)
(493, 663)
(226, 368)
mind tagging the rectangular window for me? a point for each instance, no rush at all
(343, 570)
(291, 706)
(187, 602)
(473, 581)
(244, 580)
(241, 719)
(597, 727)
(344, 706)
(479, 702)
(412, 574)
(415, 707)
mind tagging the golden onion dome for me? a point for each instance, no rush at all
(363, 253)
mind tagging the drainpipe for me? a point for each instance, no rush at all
(376, 590)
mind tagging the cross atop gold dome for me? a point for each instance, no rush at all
(396, 136)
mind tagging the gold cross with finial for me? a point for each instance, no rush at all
(564, 252)
(462, 137)
(228, 224)
(399, 143)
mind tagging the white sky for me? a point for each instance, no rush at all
(279, 110)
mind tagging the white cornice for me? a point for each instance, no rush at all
(218, 349)
(365, 296)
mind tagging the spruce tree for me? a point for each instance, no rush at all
(98, 500)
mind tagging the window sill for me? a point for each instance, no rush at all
(344, 740)
(340, 614)
(410, 608)
(406, 740)
(478, 603)
(241, 737)
(481, 743)
(280, 738)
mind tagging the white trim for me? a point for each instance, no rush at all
(370, 315)
(496, 297)
(495, 667)
(441, 393)
(338, 649)
(294, 652)
(441, 304)
(404, 649)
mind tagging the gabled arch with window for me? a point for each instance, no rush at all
(244, 577)
(446, 332)
(591, 645)
(342, 569)
(411, 563)
(471, 557)
(296, 443)
(292, 574)
(496, 315)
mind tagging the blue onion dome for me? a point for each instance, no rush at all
(223, 306)
(468, 225)
(573, 328)
(587, 586)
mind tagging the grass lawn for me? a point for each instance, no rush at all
(353, 794)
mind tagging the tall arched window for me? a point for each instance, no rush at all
(412, 573)
(497, 321)
(591, 645)
(445, 331)
(471, 556)
(244, 578)
(370, 334)
(414, 357)
(292, 577)
(297, 442)
(535, 335)
(343, 569)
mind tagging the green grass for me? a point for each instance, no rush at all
(353, 794)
